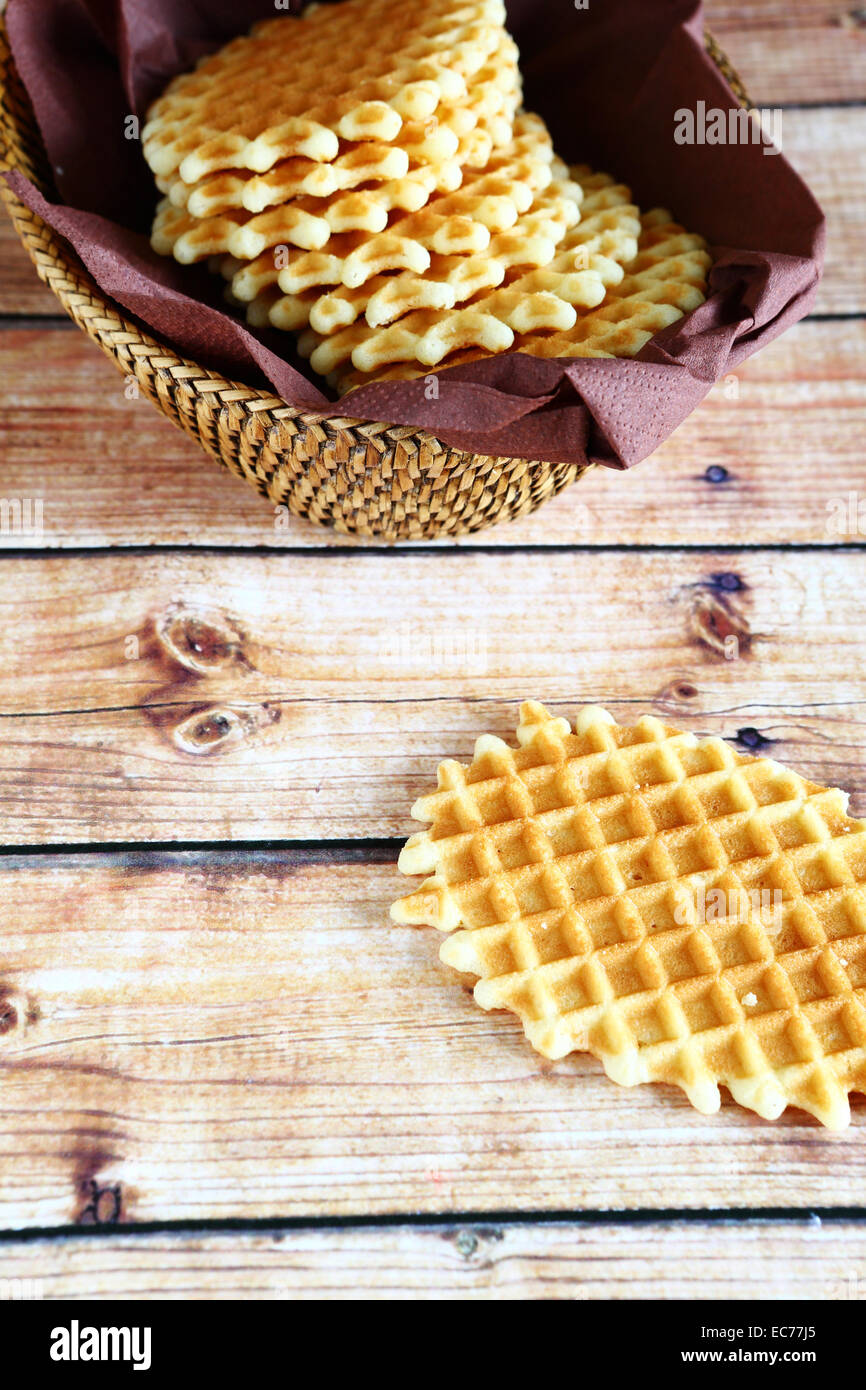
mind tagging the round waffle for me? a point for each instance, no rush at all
(461, 133)
(448, 233)
(538, 298)
(667, 278)
(684, 912)
(233, 214)
(299, 85)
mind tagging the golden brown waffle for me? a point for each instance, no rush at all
(354, 71)
(498, 195)
(667, 279)
(461, 133)
(684, 912)
(308, 222)
(433, 151)
(529, 298)
(236, 190)
(433, 245)
(295, 178)
(448, 280)
(605, 239)
(457, 225)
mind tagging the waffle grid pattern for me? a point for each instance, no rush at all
(430, 149)
(606, 237)
(501, 193)
(323, 85)
(684, 912)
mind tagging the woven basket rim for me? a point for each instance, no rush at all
(18, 130)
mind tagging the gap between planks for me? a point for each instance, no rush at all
(491, 1260)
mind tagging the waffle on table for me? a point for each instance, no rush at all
(684, 912)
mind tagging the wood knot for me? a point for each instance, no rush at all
(16, 1010)
(102, 1204)
(717, 474)
(726, 582)
(753, 739)
(217, 728)
(209, 730)
(201, 642)
(677, 692)
(467, 1243)
(717, 622)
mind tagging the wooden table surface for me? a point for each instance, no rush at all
(224, 1072)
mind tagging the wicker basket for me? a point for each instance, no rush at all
(392, 481)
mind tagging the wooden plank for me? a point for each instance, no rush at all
(21, 290)
(794, 50)
(200, 696)
(692, 1261)
(777, 15)
(826, 145)
(111, 471)
(800, 63)
(245, 1035)
(828, 148)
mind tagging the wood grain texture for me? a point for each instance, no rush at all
(794, 50)
(828, 148)
(240, 1033)
(214, 1035)
(200, 696)
(21, 290)
(739, 463)
(698, 1261)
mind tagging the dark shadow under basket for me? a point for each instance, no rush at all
(392, 481)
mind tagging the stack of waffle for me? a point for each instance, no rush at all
(364, 175)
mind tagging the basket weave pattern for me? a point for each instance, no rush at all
(392, 481)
